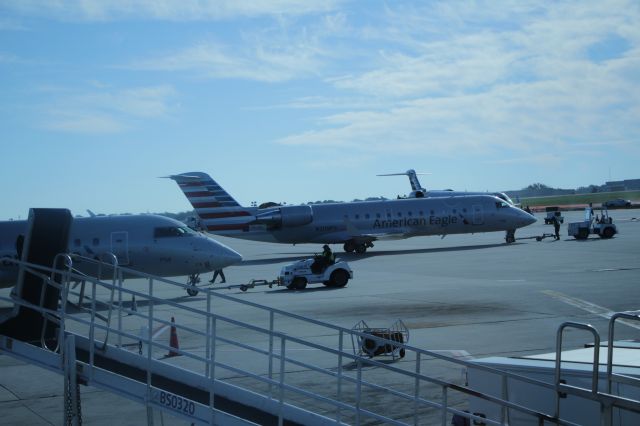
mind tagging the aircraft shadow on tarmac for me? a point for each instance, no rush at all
(352, 257)
(355, 256)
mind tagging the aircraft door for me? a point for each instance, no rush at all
(478, 218)
(120, 246)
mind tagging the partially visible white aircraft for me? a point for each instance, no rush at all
(151, 244)
(356, 225)
(417, 191)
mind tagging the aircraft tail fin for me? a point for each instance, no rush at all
(202, 191)
(413, 179)
(216, 209)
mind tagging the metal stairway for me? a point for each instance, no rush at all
(284, 369)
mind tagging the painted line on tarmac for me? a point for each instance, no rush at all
(589, 307)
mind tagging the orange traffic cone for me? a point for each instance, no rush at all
(173, 340)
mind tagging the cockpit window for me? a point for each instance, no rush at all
(172, 231)
(504, 197)
(501, 205)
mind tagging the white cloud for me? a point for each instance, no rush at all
(520, 85)
(279, 61)
(78, 121)
(106, 111)
(184, 10)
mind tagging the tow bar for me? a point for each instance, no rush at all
(250, 284)
(537, 237)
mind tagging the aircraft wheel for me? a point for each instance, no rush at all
(361, 248)
(192, 290)
(339, 278)
(349, 246)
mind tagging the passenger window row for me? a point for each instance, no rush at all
(388, 215)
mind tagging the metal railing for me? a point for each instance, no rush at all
(290, 361)
(607, 400)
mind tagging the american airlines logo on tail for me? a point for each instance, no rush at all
(217, 210)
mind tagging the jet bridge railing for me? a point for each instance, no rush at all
(607, 400)
(619, 378)
(291, 361)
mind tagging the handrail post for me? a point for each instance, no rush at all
(416, 393)
(116, 277)
(149, 353)
(339, 384)
(358, 389)
(596, 358)
(504, 412)
(120, 284)
(212, 366)
(92, 329)
(612, 321)
(282, 371)
(271, 326)
(64, 293)
(208, 331)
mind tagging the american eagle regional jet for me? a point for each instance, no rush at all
(355, 224)
(151, 244)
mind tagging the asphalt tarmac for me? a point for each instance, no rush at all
(467, 294)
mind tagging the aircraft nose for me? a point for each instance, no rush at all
(232, 257)
(526, 218)
(222, 255)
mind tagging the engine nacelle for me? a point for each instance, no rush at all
(286, 217)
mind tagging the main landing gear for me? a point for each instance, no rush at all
(351, 246)
(510, 236)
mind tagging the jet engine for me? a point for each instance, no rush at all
(286, 216)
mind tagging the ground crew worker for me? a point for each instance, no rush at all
(215, 275)
(556, 227)
(323, 260)
(328, 255)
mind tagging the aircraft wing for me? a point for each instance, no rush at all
(387, 236)
(359, 236)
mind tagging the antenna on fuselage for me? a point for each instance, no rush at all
(417, 191)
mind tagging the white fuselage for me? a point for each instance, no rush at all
(151, 244)
(374, 220)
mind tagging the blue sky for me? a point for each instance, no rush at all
(308, 100)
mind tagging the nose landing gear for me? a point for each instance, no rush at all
(510, 236)
(192, 282)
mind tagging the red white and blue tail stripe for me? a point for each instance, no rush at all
(217, 210)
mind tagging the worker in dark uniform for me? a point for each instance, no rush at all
(215, 275)
(328, 255)
(322, 260)
(556, 227)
